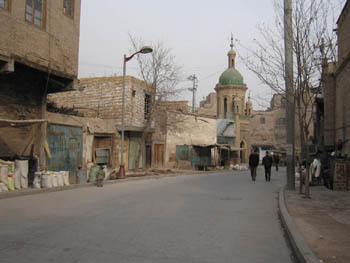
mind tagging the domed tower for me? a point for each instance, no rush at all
(232, 109)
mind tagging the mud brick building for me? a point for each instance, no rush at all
(101, 97)
(333, 118)
(38, 55)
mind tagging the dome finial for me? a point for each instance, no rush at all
(231, 55)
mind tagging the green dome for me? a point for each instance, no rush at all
(231, 77)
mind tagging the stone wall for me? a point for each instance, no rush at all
(53, 45)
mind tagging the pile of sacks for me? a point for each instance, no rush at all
(13, 175)
(50, 179)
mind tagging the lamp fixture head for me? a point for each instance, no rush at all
(145, 50)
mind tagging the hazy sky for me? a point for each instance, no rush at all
(197, 31)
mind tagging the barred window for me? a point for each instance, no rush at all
(262, 120)
(35, 12)
(68, 7)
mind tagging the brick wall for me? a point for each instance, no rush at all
(102, 97)
(342, 120)
(329, 92)
(344, 33)
(55, 44)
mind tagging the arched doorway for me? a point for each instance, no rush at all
(241, 152)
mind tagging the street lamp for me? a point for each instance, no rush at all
(143, 50)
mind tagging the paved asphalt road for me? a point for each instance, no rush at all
(223, 217)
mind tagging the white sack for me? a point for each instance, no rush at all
(21, 169)
(37, 180)
(65, 177)
(54, 180)
(4, 174)
(60, 179)
(3, 187)
(46, 181)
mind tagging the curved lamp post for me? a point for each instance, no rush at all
(143, 50)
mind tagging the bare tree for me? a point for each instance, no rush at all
(161, 71)
(313, 44)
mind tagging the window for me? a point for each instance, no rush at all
(4, 4)
(262, 120)
(225, 107)
(68, 7)
(283, 102)
(35, 12)
(147, 106)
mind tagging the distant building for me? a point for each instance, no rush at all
(38, 55)
(208, 106)
(268, 128)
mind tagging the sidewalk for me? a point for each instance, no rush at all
(323, 222)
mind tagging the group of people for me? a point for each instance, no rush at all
(267, 162)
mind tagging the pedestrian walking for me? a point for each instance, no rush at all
(100, 177)
(267, 162)
(253, 163)
(276, 160)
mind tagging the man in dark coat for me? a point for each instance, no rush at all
(276, 160)
(267, 162)
(253, 163)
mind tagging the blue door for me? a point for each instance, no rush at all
(66, 148)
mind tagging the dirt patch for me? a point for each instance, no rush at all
(323, 221)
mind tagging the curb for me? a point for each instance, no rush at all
(300, 247)
(31, 191)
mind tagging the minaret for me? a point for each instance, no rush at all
(231, 55)
(249, 106)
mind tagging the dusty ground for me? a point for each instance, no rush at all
(324, 222)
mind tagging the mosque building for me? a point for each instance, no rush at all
(233, 112)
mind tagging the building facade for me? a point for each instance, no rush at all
(333, 105)
(102, 98)
(38, 55)
(342, 78)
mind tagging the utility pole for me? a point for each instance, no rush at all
(290, 109)
(194, 79)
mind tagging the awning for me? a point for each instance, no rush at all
(19, 123)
